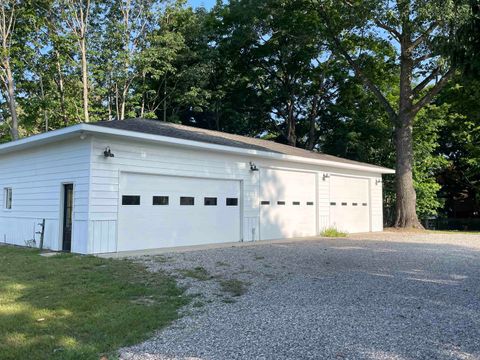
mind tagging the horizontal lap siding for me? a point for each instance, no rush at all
(157, 159)
(141, 157)
(36, 176)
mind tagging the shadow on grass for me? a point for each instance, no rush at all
(78, 307)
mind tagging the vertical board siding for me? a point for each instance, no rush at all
(323, 203)
(251, 229)
(102, 236)
(36, 176)
(376, 191)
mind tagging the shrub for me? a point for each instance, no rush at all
(332, 232)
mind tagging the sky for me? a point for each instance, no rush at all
(205, 3)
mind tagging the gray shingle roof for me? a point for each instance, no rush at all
(156, 127)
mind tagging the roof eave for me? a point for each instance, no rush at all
(232, 150)
(92, 129)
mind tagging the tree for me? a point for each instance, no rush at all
(8, 14)
(75, 14)
(466, 49)
(275, 48)
(417, 29)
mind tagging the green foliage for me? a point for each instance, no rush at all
(332, 232)
(428, 163)
(261, 68)
(198, 273)
(78, 307)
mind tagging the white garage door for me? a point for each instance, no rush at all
(287, 204)
(349, 204)
(164, 211)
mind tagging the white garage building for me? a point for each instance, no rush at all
(143, 184)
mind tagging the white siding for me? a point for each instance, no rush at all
(376, 191)
(36, 176)
(149, 158)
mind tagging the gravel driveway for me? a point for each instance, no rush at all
(370, 296)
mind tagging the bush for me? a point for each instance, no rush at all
(333, 232)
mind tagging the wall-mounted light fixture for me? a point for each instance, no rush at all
(378, 181)
(325, 176)
(108, 153)
(253, 167)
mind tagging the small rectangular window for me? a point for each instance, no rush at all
(131, 200)
(364, 204)
(160, 200)
(265, 203)
(232, 202)
(344, 204)
(8, 194)
(296, 203)
(187, 200)
(210, 201)
(333, 203)
(309, 203)
(280, 202)
(354, 204)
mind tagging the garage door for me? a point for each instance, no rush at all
(349, 204)
(164, 211)
(287, 204)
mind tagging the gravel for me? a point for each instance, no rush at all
(369, 296)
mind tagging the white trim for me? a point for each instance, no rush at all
(7, 204)
(95, 129)
(62, 214)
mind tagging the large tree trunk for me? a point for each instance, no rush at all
(312, 132)
(291, 125)
(11, 100)
(83, 50)
(406, 212)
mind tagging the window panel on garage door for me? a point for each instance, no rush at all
(176, 224)
(285, 197)
(346, 194)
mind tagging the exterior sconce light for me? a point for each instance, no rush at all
(378, 181)
(325, 176)
(108, 153)
(253, 167)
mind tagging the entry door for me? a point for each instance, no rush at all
(158, 211)
(67, 217)
(287, 204)
(349, 204)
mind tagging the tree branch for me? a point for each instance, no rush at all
(422, 37)
(424, 57)
(367, 82)
(433, 91)
(425, 82)
(358, 71)
(389, 29)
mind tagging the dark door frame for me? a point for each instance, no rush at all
(67, 216)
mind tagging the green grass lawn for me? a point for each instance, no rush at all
(78, 307)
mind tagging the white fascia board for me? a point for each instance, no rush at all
(94, 129)
(42, 138)
(232, 150)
